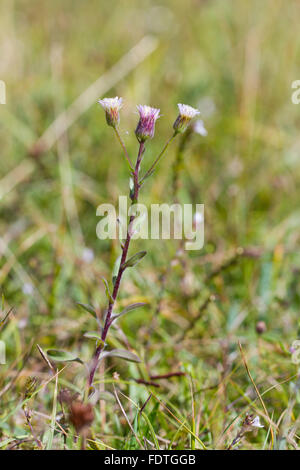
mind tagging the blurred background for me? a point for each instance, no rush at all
(234, 61)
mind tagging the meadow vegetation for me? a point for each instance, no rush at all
(215, 334)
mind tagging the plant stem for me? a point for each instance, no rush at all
(158, 158)
(125, 247)
(123, 147)
(179, 163)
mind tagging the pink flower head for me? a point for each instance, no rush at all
(146, 124)
(112, 107)
(186, 114)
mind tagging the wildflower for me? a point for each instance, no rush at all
(250, 423)
(112, 107)
(256, 423)
(199, 128)
(186, 114)
(146, 124)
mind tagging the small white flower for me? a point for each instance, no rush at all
(199, 128)
(256, 423)
(187, 111)
(186, 114)
(112, 107)
(108, 103)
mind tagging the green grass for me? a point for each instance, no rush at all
(240, 56)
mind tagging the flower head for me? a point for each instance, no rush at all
(112, 107)
(146, 124)
(186, 114)
(250, 423)
(256, 422)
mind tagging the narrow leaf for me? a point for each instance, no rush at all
(129, 308)
(123, 354)
(107, 290)
(94, 335)
(116, 269)
(58, 355)
(134, 260)
(88, 308)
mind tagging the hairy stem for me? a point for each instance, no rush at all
(125, 247)
(123, 147)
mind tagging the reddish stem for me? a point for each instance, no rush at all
(107, 324)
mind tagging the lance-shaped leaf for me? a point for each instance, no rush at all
(127, 309)
(59, 355)
(107, 290)
(123, 354)
(116, 269)
(94, 335)
(134, 260)
(89, 309)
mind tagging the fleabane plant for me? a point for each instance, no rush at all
(144, 132)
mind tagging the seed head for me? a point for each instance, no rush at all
(112, 107)
(81, 415)
(146, 125)
(186, 114)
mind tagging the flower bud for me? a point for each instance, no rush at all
(146, 124)
(112, 107)
(186, 114)
(260, 327)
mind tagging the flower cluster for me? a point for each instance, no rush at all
(146, 126)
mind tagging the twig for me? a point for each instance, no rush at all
(167, 376)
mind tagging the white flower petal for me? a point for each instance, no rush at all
(187, 111)
(256, 423)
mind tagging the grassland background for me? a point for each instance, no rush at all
(235, 60)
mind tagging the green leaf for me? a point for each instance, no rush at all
(58, 355)
(94, 335)
(116, 269)
(131, 188)
(123, 354)
(127, 309)
(88, 308)
(134, 260)
(107, 290)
